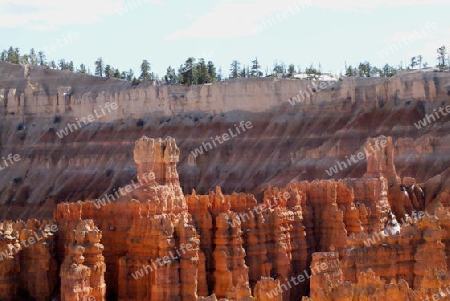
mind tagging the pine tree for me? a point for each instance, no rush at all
(419, 60)
(201, 72)
(189, 76)
(70, 66)
(16, 57)
(277, 68)
(235, 69)
(255, 72)
(41, 58)
(219, 75)
(130, 75)
(82, 69)
(364, 69)
(170, 76)
(413, 62)
(312, 72)
(117, 73)
(145, 71)
(388, 71)
(283, 68)
(33, 57)
(10, 55)
(180, 75)
(62, 64)
(108, 71)
(99, 67)
(242, 74)
(442, 52)
(291, 70)
(349, 71)
(211, 72)
(375, 72)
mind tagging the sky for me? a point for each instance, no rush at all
(166, 32)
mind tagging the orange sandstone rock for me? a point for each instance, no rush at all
(38, 263)
(82, 276)
(27, 259)
(160, 245)
(10, 264)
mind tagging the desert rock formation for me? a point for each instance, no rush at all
(285, 142)
(176, 231)
(157, 244)
(27, 259)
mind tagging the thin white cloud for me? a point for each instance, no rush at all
(424, 31)
(49, 14)
(231, 18)
(429, 37)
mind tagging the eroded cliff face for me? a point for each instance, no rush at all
(324, 239)
(137, 218)
(140, 230)
(82, 271)
(301, 141)
(28, 268)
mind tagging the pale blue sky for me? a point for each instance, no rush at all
(167, 32)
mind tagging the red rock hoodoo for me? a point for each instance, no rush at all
(157, 244)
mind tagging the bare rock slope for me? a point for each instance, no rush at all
(301, 141)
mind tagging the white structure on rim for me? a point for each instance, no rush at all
(322, 77)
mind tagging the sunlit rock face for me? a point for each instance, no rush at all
(154, 243)
(151, 244)
(27, 259)
(82, 271)
(300, 141)
(237, 222)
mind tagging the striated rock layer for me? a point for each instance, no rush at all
(286, 141)
(329, 240)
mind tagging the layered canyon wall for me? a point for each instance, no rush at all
(339, 237)
(242, 220)
(301, 141)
